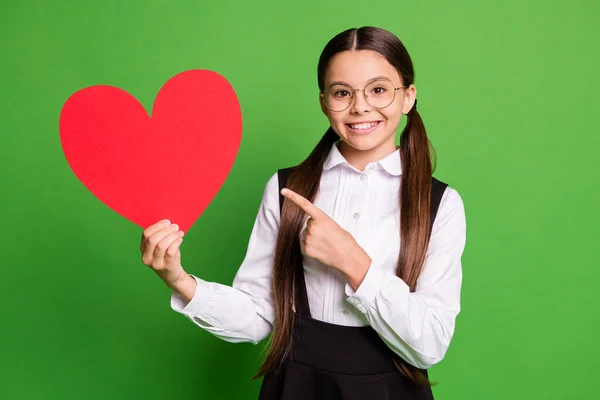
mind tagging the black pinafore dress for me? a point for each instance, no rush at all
(336, 362)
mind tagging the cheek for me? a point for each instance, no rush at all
(394, 115)
(335, 124)
(336, 121)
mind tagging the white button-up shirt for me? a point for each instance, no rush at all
(418, 326)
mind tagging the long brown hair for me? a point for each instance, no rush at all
(415, 190)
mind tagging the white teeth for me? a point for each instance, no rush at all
(363, 126)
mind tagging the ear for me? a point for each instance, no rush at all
(410, 95)
(323, 108)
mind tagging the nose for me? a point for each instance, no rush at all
(359, 103)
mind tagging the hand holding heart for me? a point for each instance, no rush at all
(160, 251)
(324, 240)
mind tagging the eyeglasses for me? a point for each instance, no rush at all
(378, 94)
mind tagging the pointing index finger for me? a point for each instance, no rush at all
(313, 211)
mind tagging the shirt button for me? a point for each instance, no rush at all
(345, 312)
(363, 177)
(356, 215)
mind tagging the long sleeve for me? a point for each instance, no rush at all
(418, 326)
(242, 312)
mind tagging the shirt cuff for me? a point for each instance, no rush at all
(365, 295)
(178, 303)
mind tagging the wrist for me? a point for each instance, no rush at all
(357, 265)
(175, 280)
(184, 286)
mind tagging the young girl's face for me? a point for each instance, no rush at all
(356, 69)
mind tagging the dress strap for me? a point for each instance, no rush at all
(437, 191)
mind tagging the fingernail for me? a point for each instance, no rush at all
(284, 191)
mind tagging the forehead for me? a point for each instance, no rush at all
(358, 66)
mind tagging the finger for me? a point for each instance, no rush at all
(161, 247)
(307, 222)
(302, 242)
(148, 256)
(173, 248)
(303, 235)
(152, 241)
(308, 207)
(152, 229)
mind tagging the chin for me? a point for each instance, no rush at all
(363, 144)
(366, 143)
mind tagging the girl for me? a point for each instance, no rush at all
(358, 275)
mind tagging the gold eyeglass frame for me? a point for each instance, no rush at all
(365, 96)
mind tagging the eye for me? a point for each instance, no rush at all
(341, 93)
(379, 90)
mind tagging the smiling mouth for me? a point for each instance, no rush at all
(365, 127)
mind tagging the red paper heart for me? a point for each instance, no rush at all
(169, 166)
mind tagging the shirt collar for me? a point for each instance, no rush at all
(391, 163)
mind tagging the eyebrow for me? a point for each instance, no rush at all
(377, 78)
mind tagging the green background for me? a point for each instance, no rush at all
(509, 95)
